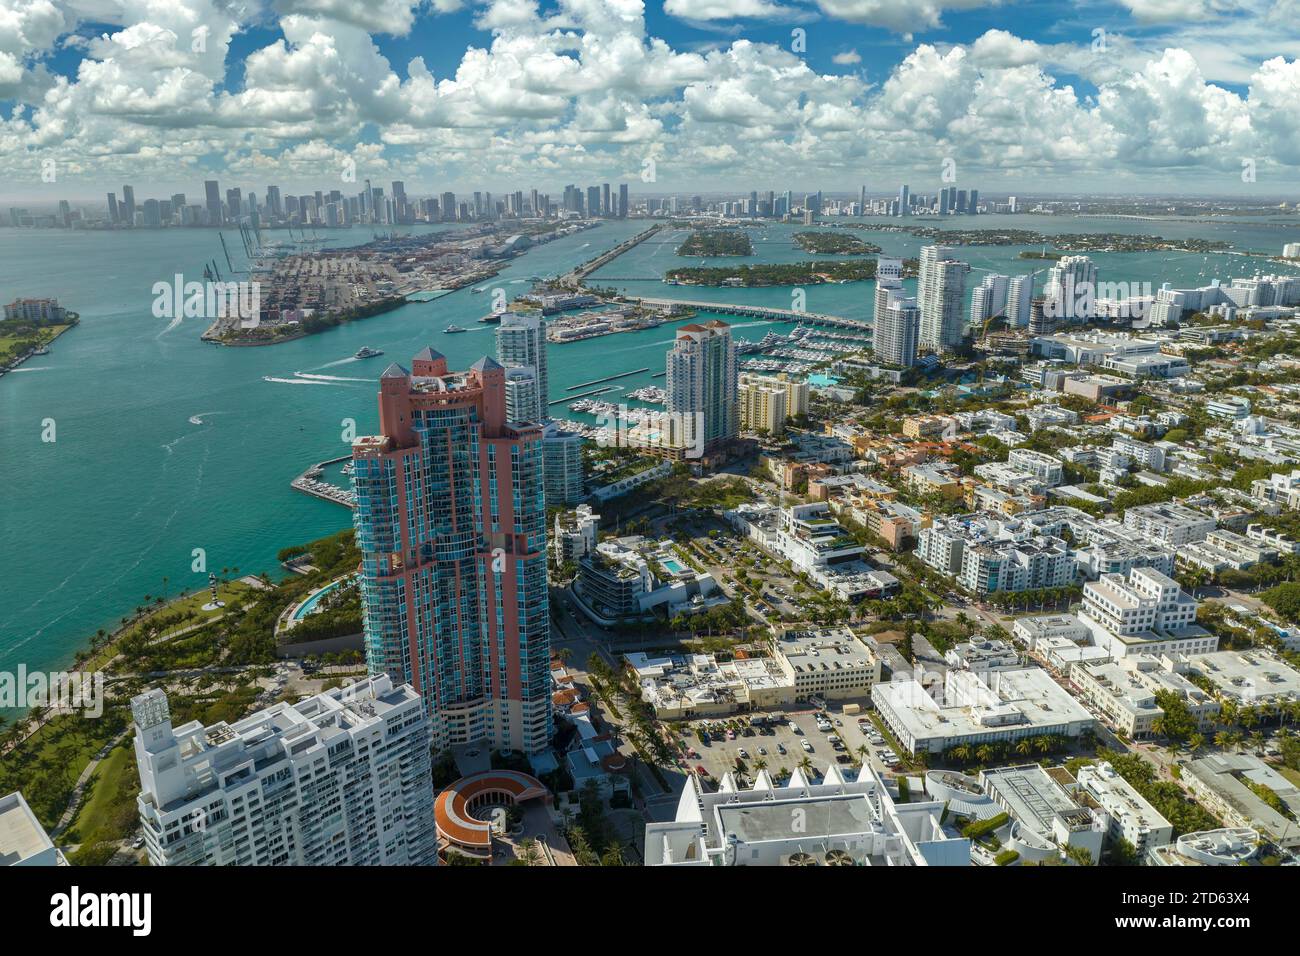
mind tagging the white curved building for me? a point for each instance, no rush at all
(837, 821)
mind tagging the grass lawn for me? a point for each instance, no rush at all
(109, 813)
(231, 592)
(46, 766)
(1292, 775)
(46, 335)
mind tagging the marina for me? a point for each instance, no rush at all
(311, 482)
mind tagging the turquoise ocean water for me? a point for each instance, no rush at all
(165, 444)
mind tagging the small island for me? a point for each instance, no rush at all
(834, 243)
(28, 328)
(784, 273)
(716, 242)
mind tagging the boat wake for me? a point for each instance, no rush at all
(330, 378)
(198, 419)
(31, 368)
(170, 325)
(301, 381)
(342, 361)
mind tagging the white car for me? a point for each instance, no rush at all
(806, 746)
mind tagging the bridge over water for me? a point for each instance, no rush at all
(759, 312)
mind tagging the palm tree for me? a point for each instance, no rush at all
(805, 764)
(1195, 742)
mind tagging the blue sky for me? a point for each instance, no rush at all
(1138, 96)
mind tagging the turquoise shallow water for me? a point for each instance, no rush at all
(166, 444)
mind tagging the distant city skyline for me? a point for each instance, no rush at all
(1133, 96)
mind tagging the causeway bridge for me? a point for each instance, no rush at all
(759, 312)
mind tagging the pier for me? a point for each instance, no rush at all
(607, 378)
(759, 312)
(594, 391)
(310, 483)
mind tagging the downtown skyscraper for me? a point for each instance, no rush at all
(451, 524)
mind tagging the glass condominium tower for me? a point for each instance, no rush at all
(451, 524)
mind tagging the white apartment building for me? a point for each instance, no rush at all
(989, 298)
(1071, 289)
(523, 402)
(1168, 523)
(521, 343)
(1147, 613)
(1044, 416)
(811, 539)
(1221, 782)
(1230, 846)
(1043, 467)
(1146, 455)
(1020, 292)
(1223, 549)
(575, 534)
(988, 554)
(1280, 488)
(562, 462)
(1131, 816)
(851, 821)
(339, 779)
(701, 385)
(1228, 406)
(941, 295)
(896, 329)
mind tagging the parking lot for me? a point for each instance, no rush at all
(766, 743)
(723, 551)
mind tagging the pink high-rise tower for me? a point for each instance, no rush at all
(451, 523)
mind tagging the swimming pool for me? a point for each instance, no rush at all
(672, 565)
(821, 380)
(309, 606)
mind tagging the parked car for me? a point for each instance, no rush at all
(780, 748)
